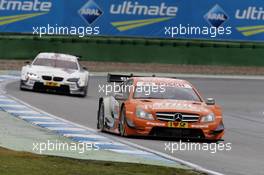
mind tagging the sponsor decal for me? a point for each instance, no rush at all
(200, 126)
(216, 16)
(151, 14)
(251, 13)
(156, 124)
(90, 12)
(251, 30)
(22, 9)
(168, 83)
(129, 112)
(175, 105)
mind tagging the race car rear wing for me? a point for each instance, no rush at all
(121, 78)
(117, 78)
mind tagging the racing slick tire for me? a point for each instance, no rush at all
(123, 123)
(84, 92)
(100, 117)
(21, 86)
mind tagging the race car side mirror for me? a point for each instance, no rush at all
(119, 96)
(210, 101)
(27, 62)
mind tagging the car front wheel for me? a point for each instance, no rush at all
(123, 123)
(100, 118)
(83, 92)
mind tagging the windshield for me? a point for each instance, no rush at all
(174, 93)
(56, 63)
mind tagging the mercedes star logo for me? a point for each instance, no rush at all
(178, 117)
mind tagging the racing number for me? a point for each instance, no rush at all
(182, 125)
(179, 125)
(171, 125)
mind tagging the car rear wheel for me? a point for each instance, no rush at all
(100, 118)
(123, 123)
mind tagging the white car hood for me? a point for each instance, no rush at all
(51, 71)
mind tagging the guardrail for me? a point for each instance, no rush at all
(195, 52)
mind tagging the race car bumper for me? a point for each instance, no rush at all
(27, 84)
(69, 88)
(209, 131)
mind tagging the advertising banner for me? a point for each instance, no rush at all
(188, 19)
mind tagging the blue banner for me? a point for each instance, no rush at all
(185, 19)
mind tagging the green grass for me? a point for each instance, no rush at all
(15, 163)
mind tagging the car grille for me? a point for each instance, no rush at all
(48, 78)
(57, 79)
(177, 133)
(38, 86)
(174, 116)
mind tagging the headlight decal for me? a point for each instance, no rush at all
(141, 113)
(31, 75)
(73, 79)
(208, 118)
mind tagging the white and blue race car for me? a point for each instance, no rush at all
(55, 72)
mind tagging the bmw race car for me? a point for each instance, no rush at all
(55, 72)
(172, 108)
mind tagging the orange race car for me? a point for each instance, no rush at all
(163, 107)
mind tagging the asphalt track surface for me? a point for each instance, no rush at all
(241, 100)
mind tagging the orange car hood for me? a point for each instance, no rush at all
(154, 105)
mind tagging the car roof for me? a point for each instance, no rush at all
(161, 80)
(59, 56)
